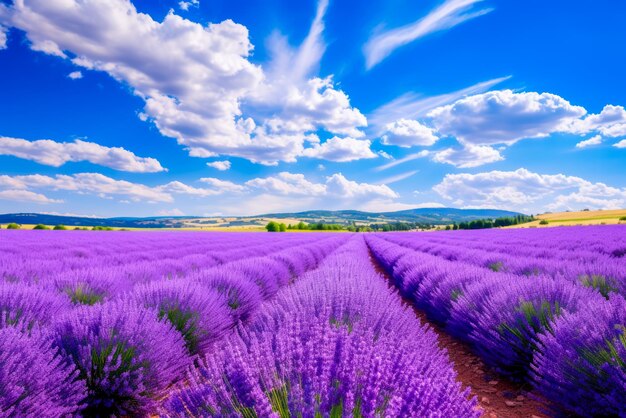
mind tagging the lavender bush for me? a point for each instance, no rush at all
(125, 356)
(25, 307)
(581, 365)
(34, 381)
(198, 313)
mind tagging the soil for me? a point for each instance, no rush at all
(497, 396)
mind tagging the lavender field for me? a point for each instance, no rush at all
(186, 324)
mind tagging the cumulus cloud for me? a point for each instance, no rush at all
(194, 78)
(26, 196)
(107, 188)
(610, 122)
(500, 117)
(524, 190)
(468, 156)
(92, 183)
(408, 133)
(185, 5)
(220, 165)
(341, 150)
(450, 14)
(620, 144)
(223, 185)
(75, 75)
(336, 186)
(595, 140)
(414, 106)
(288, 184)
(55, 154)
(504, 117)
(178, 187)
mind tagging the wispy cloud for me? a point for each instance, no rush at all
(397, 178)
(408, 158)
(446, 16)
(413, 105)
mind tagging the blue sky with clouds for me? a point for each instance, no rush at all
(120, 108)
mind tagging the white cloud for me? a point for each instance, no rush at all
(414, 106)
(223, 185)
(527, 191)
(398, 177)
(297, 99)
(3, 36)
(75, 75)
(338, 185)
(385, 155)
(446, 16)
(288, 184)
(468, 156)
(341, 150)
(504, 117)
(48, 152)
(408, 133)
(93, 183)
(185, 5)
(220, 165)
(26, 196)
(620, 144)
(194, 79)
(410, 157)
(171, 212)
(178, 187)
(106, 187)
(501, 117)
(610, 122)
(595, 140)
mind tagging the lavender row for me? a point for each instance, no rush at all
(35, 257)
(336, 343)
(119, 355)
(567, 340)
(602, 272)
(594, 239)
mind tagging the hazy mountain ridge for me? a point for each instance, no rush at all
(423, 215)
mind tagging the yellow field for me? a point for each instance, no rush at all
(592, 217)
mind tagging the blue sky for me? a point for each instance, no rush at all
(120, 108)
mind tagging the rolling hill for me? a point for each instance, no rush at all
(436, 216)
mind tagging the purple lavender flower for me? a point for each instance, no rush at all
(242, 295)
(124, 354)
(200, 314)
(581, 365)
(338, 342)
(508, 319)
(25, 307)
(34, 381)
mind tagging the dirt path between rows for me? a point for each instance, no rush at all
(497, 396)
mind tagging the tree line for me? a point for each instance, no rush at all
(492, 223)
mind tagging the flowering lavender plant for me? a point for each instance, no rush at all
(581, 365)
(200, 314)
(126, 357)
(34, 381)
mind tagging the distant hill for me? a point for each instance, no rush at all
(435, 216)
(426, 215)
